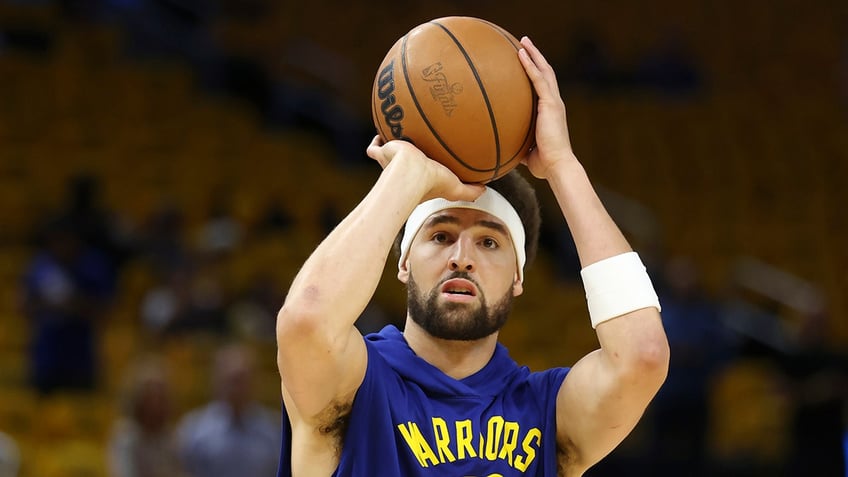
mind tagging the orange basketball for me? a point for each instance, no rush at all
(456, 89)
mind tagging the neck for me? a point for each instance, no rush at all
(457, 359)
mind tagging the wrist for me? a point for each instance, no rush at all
(616, 286)
(562, 174)
(563, 163)
(410, 174)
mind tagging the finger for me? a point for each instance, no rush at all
(468, 192)
(374, 150)
(540, 84)
(529, 66)
(541, 73)
(536, 55)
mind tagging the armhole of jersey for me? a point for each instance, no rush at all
(284, 466)
(374, 368)
(365, 389)
(548, 383)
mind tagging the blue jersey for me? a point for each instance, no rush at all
(409, 419)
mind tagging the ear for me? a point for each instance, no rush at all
(517, 286)
(403, 272)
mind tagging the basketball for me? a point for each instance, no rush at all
(455, 88)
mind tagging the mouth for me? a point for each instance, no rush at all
(458, 290)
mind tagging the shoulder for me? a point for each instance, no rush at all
(538, 381)
(549, 378)
(385, 348)
(544, 386)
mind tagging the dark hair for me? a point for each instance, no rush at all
(518, 191)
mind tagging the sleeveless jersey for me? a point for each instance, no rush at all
(409, 419)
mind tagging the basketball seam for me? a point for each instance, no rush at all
(424, 116)
(480, 85)
(532, 128)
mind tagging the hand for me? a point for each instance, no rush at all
(552, 141)
(439, 180)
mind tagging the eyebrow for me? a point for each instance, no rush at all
(450, 219)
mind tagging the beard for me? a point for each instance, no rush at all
(456, 321)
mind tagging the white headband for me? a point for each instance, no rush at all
(491, 202)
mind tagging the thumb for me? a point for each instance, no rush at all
(469, 192)
(534, 163)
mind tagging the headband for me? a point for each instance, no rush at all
(491, 202)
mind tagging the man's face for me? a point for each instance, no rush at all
(461, 275)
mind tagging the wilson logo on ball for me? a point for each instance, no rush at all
(392, 112)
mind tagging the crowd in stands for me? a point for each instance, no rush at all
(79, 255)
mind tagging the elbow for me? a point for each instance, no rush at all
(299, 330)
(654, 358)
(648, 363)
(297, 321)
(309, 315)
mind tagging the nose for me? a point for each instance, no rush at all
(461, 259)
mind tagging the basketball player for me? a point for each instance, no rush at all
(443, 398)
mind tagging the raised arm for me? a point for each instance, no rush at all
(606, 392)
(321, 356)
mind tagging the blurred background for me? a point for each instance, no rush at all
(167, 165)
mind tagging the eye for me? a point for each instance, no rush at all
(440, 237)
(489, 242)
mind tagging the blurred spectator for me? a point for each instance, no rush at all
(189, 299)
(700, 346)
(274, 218)
(143, 442)
(67, 288)
(254, 314)
(98, 227)
(10, 457)
(162, 304)
(162, 242)
(817, 383)
(232, 436)
(221, 232)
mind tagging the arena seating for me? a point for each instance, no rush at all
(753, 165)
